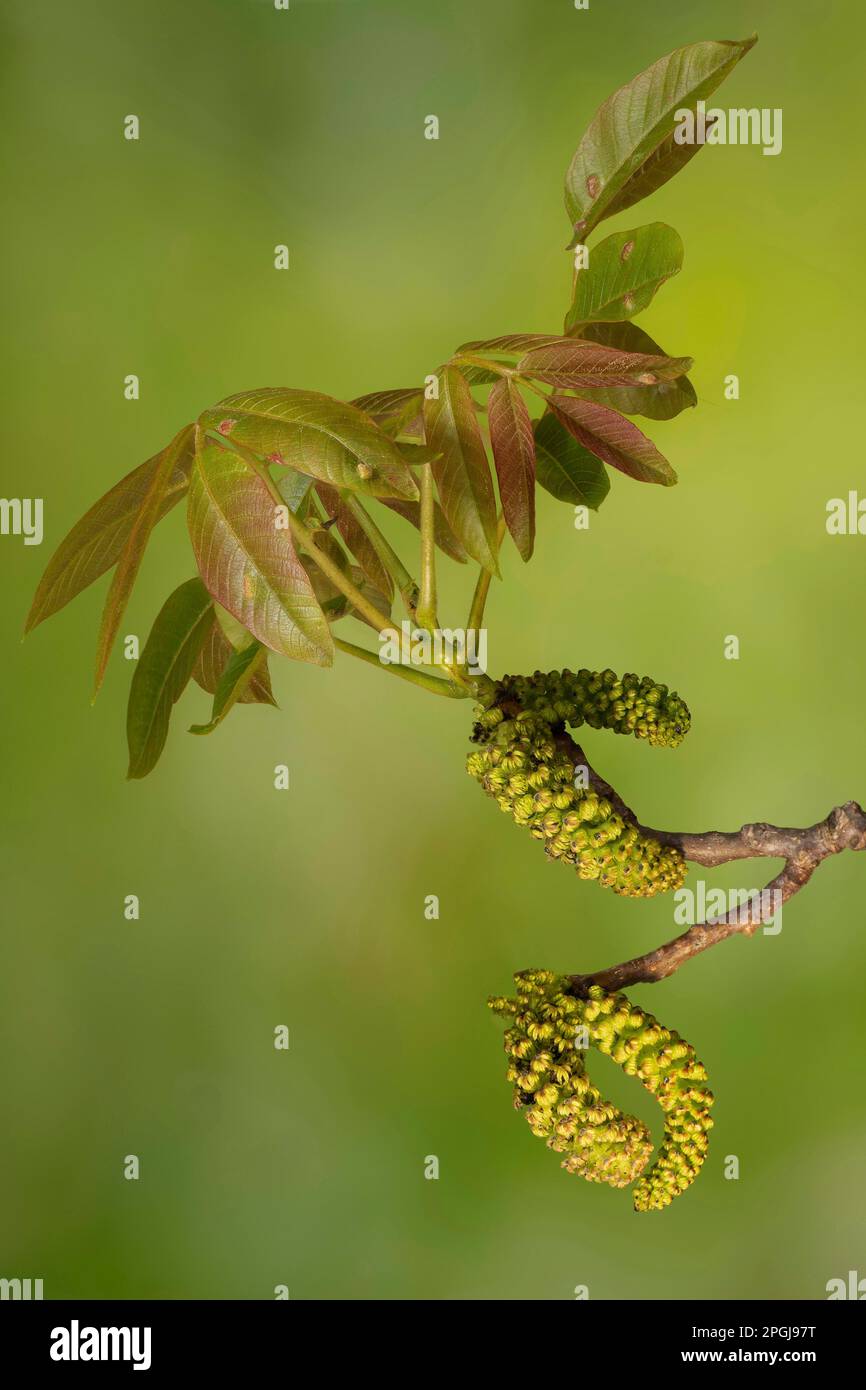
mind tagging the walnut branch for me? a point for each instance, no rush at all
(802, 851)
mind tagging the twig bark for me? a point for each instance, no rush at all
(802, 851)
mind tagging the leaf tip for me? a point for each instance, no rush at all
(413, 495)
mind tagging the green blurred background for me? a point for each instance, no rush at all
(306, 908)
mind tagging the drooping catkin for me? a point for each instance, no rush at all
(546, 1041)
(524, 763)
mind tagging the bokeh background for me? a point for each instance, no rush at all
(306, 908)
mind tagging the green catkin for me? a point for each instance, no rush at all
(521, 764)
(548, 1027)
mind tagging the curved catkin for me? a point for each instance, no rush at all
(626, 704)
(523, 764)
(548, 1032)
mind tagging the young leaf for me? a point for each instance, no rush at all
(242, 669)
(565, 469)
(614, 440)
(129, 561)
(317, 435)
(394, 410)
(294, 488)
(442, 533)
(415, 452)
(356, 540)
(634, 122)
(623, 274)
(371, 593)
(162, 672)
(215, 654)
(509, 344)
(513, 446)
(665, 161)
(477, 375)
(333, 601)
(462, 473)
(571, 363)
(247, 564)
(96, 542)
(234, 632)
(660, 402)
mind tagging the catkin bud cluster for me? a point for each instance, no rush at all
(549, 1031)
(626, 704)
(526, 764)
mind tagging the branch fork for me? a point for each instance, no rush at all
(802, 850)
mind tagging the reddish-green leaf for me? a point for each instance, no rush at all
(633, 123)
(565, 469)
(667, 159)
(443, 535)
(247, 562)
(513, 446)
(96, 542)
(416, 452)
(371, 593)
(394, 411)
(477, 375)
(129, 561)
(163, 670)
(332, 599)
(295, 490)
(241, 671)
(573, 363)
(315, 434)
(462, 473)
(623, 274)
(509, 344)
(660, 402)
(613, 439)
(356, 539)
(214, 657)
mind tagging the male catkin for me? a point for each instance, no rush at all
(547, 1065)
(525, 762)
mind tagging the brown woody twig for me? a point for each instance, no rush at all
(802, 851)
